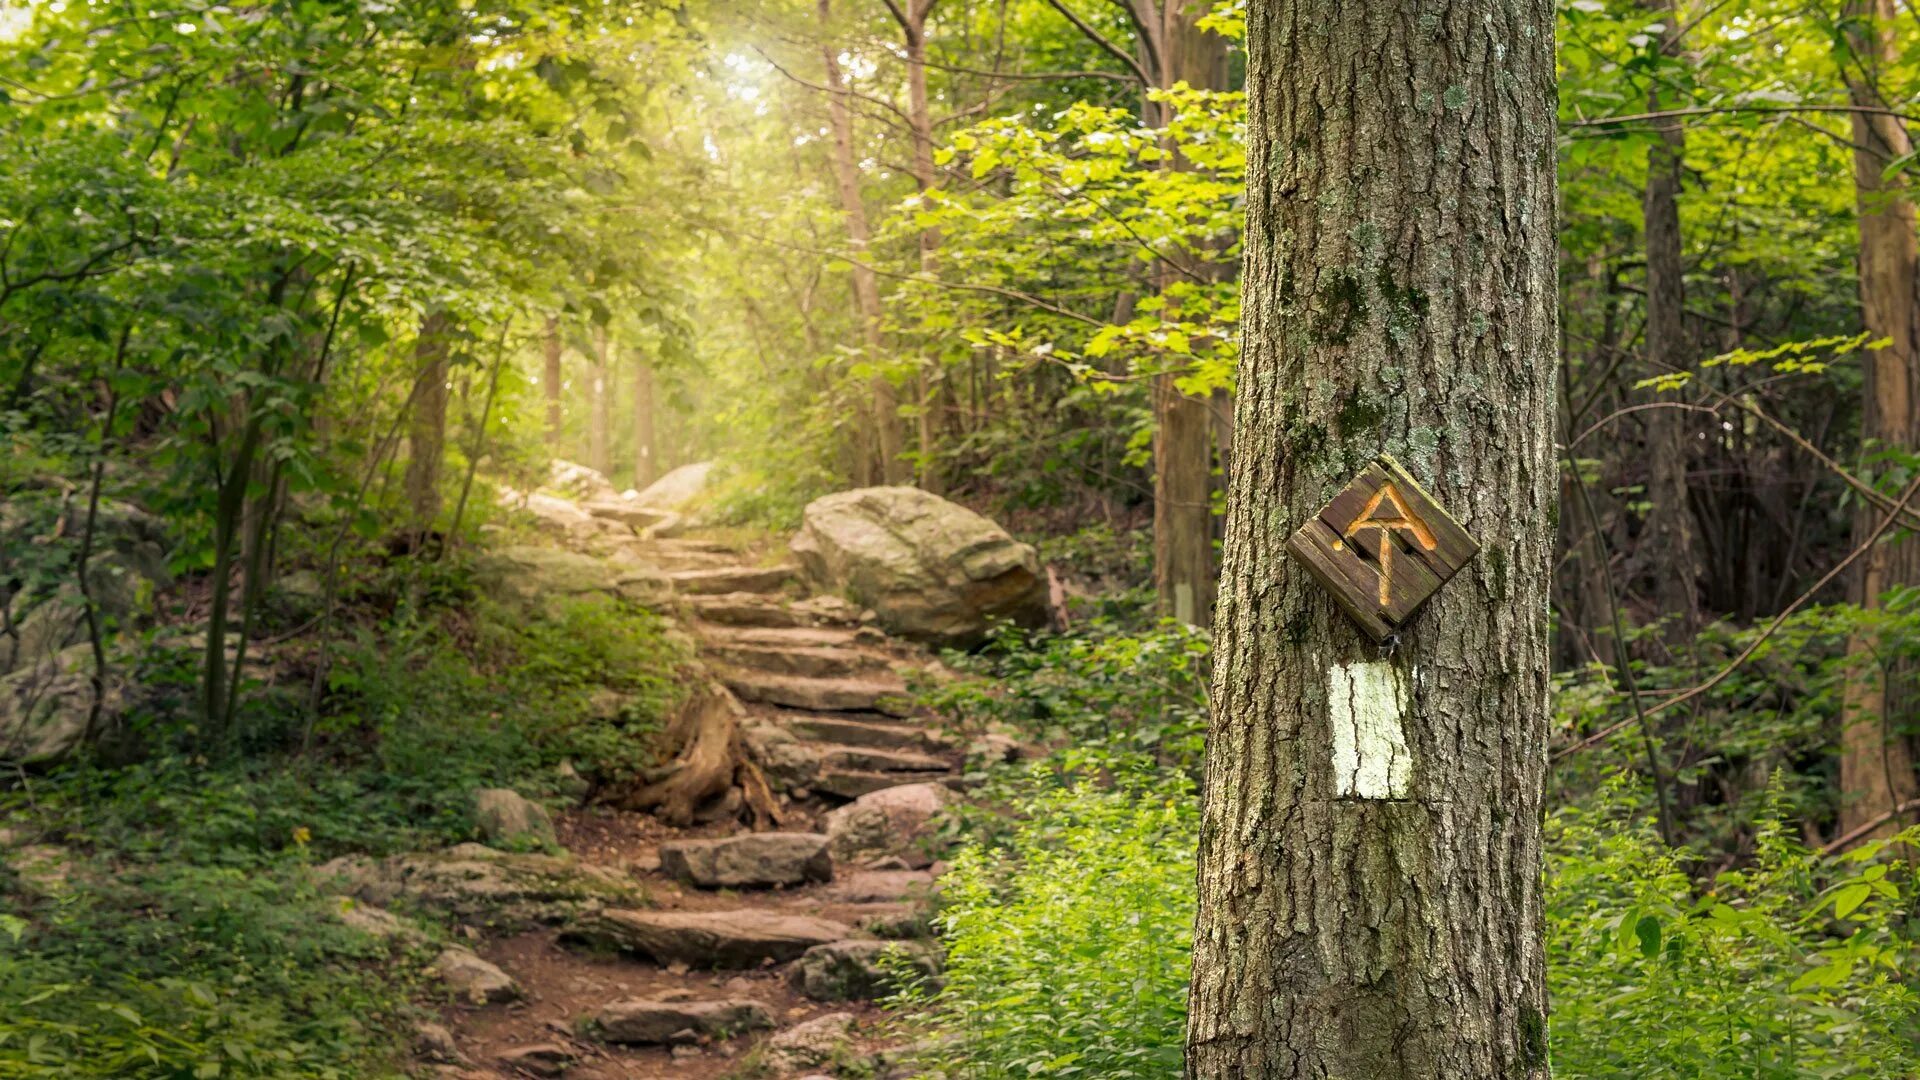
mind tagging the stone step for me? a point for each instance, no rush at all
(868, 759)
(749, 860)
(762, 611)
(868, 694)
(792, 637)
(647, 1021)
(849, 731)
(733, 579)
(744, 938)
(817, 663)
(853, 783)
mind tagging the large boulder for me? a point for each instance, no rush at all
(896, 822)
(45, 706)
(678, 488)
(129, 562)
(931, 570)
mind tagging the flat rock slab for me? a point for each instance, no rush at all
(750, 860)
(769, 612)
(795, 637)
(733, 579)
(815, 662)
(875, 760)
(878, 734)
(879, 886)
(640, 1021)
(712, 939)
(858, 783)
(886, 695)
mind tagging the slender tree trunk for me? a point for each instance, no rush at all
(427, 430)
(1876, 760)
(600, 426)
(550, 380)
(887, 466)
(1671, 551)
(1184, 572)
(1370, 855)
(646, 458)
(913, 25)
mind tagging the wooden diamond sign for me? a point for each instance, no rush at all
(1382, 547)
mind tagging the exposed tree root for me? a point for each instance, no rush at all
(708, 759)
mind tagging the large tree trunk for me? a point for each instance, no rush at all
(551, 381)
(885, 463)
(427, 427)
(1876, 763)
(1385, 923)
(600, 423)
(1671, 553)
(646, 458)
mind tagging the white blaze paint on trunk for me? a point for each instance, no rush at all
(1370, 757)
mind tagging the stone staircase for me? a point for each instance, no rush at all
(756, 952)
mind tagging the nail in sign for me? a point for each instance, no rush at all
(1382, 547)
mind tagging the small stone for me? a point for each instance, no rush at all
(435, 1043)
(861, 970)
(504, 817)
(469, 977)
(812, 1043)
(683, 1051)
(540, 1059)
(892, 822)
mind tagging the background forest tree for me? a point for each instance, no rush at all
(312, 283)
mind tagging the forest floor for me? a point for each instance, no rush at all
(816, 672)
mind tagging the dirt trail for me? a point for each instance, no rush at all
(830, 689)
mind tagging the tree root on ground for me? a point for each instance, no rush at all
(706, 757)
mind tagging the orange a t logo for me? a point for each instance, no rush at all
(1388, 520)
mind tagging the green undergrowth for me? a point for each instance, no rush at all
(1068, 910)
(180, 936)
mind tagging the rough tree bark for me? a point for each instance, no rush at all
(600, 408)
(646, 458)
(1380, 918)
(1673, 559)
(551, 380)
(885, 465)
(1876, 760)
(427, 427)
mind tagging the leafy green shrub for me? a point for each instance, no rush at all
(183, 971)
(189, 942)
(1107, 694)
(1793, 967)
(1068, 947)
